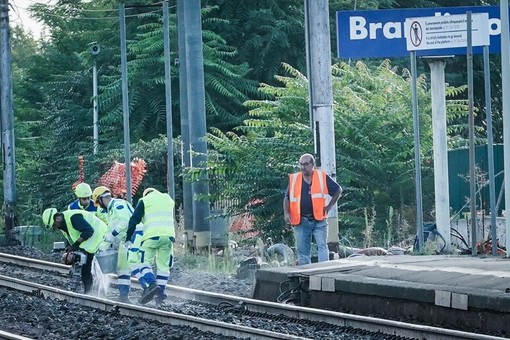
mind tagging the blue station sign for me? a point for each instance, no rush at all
(381, 33)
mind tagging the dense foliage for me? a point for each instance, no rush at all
(256, 108)
(374, 143)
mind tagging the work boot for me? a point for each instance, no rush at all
(160, 299)
(149, 293)
(123, 299)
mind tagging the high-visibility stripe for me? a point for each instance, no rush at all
(125, 282)
(292, 197)
(162, 282)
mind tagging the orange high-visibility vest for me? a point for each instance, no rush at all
(318, 190)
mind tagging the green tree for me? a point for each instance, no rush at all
(374, 143)
(67, 104)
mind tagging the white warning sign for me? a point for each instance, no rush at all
(449, 31)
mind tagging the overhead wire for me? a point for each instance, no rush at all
(101, 10)
(78, 10)
(99, 18)
(16, 9)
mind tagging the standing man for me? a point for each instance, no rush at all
(84, 232)
(305, 208)
(118, 213)
(156, 211)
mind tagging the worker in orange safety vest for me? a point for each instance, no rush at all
(306, 208)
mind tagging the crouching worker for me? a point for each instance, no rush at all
(84, 232)
(156, 211)
(118, 212)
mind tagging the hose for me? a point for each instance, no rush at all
(292, 295)
(229, 307)
(458, 235)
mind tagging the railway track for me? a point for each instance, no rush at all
(275, 313)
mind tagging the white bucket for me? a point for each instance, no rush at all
(107, 261)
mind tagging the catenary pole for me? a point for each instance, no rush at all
(170, 179)
(187, 199)
(505, 88)
(197, 122)
(6, 109)
(125, 100)
(490, 148)
(318, 47)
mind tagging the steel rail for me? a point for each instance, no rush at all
(171, 318)
(12, 336)
(396, 328)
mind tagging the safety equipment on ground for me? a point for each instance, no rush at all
(148, 191)
(83, 190)
(281, 250)
(48, 216)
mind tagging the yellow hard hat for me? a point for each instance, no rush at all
(48, 216)
(83, 190)
(148, 191)
(98, 192)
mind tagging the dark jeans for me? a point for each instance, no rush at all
(86, 272)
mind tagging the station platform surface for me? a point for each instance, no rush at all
(461, 292)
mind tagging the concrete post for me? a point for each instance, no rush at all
(439, 136)
(6, 112)
(187, 199)
(196, 120)
(318, 49)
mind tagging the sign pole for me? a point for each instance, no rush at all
(417, 161)
(472, 174)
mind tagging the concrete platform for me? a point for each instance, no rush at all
(460, 292)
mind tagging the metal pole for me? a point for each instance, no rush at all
(472, 175)
(417, 156)
(197, 122)
(8, 148)
(170, 180)
(321, 97)
(125, 100)
(187, 196)
(310, 87)
(505, 89)
(490, 146)
(95, 119)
